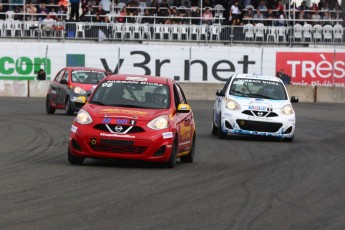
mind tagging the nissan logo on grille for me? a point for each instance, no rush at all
(118, 128)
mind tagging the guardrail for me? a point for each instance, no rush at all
(214, 33)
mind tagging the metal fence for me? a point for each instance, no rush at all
(215, 33)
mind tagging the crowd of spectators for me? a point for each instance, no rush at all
(236, 12)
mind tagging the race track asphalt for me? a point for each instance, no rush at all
(238, 183)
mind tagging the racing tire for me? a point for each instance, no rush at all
(75, 160)
(220, 133)
(190, 157)
(68, 107)
(49, 108)
(173, 156)
(214, 128)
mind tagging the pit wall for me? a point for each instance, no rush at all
(193, 91)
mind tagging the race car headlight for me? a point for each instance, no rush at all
(83, 117)
(233, 105)
(79, 90)
(287, 110)
(158, 123)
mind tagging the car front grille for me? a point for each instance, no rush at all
(259, 126)
(260, 113)
(134, 129)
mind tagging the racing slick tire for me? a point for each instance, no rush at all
(75, 160)
(214, 127)
(190, 157)
(49, 109)
(173, 156)
(68, 107)
(220, 133)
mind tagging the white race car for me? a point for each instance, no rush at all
(254, 105)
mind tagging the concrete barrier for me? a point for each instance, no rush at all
(330, 94)
(38, 88)
(193, 91)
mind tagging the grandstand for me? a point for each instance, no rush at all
(290, 24)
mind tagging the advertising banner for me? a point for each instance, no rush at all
(185, 63)
(313, 68)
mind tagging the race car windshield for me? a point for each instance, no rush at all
(132, 94)
(258, 88)
(87, 77)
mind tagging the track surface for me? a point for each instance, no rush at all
(238, 183)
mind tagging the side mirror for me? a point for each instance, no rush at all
(220, 93)
(81, 100)
(63, 81)
(183, 108)
(294, 99)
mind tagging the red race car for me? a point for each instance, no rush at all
(134, 117)
(71, 87)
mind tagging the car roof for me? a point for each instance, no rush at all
(135, 77)
(84, 68)
(258, 76)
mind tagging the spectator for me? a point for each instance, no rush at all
(281, 18)
(248, 15)
(270, 15)
(41, 75)
(123, 13)
(284, 77)
(302, 17)
(196, 14)
(42, 11)
(207, 3)
(47, 25)
(74, 10)
(316, 18)
(326, 20)
(147, 17)
(314, 7)
(207, 17)
(280, 6)
(303, 6)
(97, 18)
(105, 4)
(258, 17)
(262, 6)
(235, 14)
(2, 12)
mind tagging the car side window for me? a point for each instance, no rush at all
(176, 96)
(65, 76)
(59, 75)
(181, 93)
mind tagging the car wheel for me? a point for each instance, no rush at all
(172, 160)
(49, 108)
(220, 133)
(190, 157)
(75, 160)
(68, 108)
(214, 128)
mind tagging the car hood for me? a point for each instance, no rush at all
(100, 111)
(256, 103)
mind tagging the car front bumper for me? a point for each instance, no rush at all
(153, 145)
(281, 126)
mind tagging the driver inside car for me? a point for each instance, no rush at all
(160, 96)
